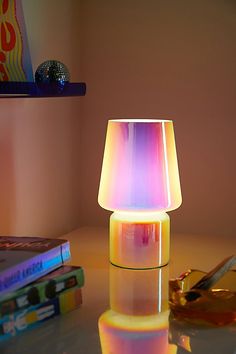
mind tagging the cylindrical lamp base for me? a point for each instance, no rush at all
(139, 240)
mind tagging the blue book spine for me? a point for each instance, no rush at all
(28, 318)
(32, 316)
(33, 268)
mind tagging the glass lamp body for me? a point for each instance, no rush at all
(139, 240)
(139, 182)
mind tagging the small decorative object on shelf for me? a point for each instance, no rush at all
(52, 71)
(16, 73)
(206, 298)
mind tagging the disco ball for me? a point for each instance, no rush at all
(52, 72)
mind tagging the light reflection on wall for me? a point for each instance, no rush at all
(137, 321)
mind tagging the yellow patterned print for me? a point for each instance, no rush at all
(11, 48)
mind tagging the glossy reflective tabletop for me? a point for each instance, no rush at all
(131, 306)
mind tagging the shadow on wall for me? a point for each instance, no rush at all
(7, 175)
(39, 185)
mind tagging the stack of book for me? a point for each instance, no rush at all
(35, 285)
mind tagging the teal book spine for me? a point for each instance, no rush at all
(33, 316)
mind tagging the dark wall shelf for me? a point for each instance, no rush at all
(31, 89)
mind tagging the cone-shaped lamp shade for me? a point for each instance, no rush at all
(140, 170)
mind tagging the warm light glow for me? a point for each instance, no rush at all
(140, 120)
(139, 292)
(166, 165)
(140, 170)
(121, 334)
(136, 323)
(140, 216)
(139, 240)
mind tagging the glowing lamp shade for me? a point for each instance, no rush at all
(140, 170)
(139, 182)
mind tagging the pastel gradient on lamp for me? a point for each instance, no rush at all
(139, 239)
(122, 334)
(140, 170)
(139, 182)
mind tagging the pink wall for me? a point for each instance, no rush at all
(39, 138)
(157, 58)
(167, 59)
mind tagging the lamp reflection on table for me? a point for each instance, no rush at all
(137, 321)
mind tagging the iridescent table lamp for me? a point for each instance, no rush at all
(139, 182)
